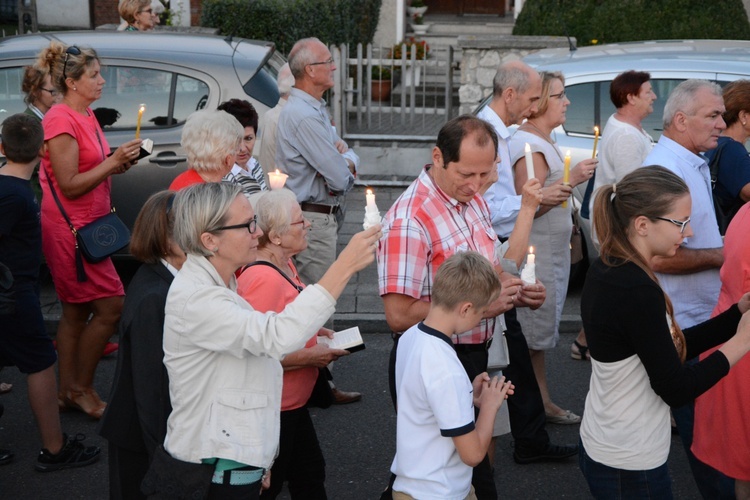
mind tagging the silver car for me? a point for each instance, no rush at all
(590, 70)
(172, 74)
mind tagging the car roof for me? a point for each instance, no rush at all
(160, 46)
(720, 56)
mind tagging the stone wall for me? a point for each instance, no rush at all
(481, 56)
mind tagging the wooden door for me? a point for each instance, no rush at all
(460, 7)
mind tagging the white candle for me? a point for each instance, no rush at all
(531, 259)
(529, 162)
(528, 274)
(277, 179)
(596, 140)
(370, 197)
(138, 123)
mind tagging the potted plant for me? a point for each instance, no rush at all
(418, 26)
(380, 90)
(411, 75)
(416, 7)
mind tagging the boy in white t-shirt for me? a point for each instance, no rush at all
(437, 440)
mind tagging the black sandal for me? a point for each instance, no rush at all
(579, 352)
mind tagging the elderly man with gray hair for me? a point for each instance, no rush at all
(692, 124)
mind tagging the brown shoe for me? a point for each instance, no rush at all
(343, 398)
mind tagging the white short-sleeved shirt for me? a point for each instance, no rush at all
(435, 404)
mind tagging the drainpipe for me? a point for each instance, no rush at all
(400, 20)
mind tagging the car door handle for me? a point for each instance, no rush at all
(169, 161)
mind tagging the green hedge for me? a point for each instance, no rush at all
(607, 21)
(286, 21)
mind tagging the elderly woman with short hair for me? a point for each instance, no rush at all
(269, 285)
(139, 14)
(223, 356)
(211, 140)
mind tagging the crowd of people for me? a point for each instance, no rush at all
(219, 358)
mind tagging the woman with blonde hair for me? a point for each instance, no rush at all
(138, 14)
(78, 169)
(638, 350)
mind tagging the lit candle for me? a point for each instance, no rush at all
(566, 174)
(277, 179)
(528, 274)
(138, 123)
(531, 259)
(596, 140)
(370, 197)
(529, 162)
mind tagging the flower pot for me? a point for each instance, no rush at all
(420, 29)
(380, 90)
(416, 10)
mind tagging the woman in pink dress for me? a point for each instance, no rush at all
(77, 167)
(722, 414)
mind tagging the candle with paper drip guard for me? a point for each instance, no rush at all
(277, 179)
(596, 140)
(566, 175)
(372, 214)
(529, 162)
(147, 145)
(528, 275)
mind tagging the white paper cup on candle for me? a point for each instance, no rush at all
(277, 179)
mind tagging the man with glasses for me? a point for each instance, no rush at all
(692, 124)
(320, 165)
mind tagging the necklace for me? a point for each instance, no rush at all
(538, 132)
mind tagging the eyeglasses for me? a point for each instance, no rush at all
(561, 95)
(250, 226)
(329, 61)
(149, 10)
(681, 223)
(72, 50)
(305, 223)
(52, 92)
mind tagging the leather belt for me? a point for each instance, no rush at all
(319, 208)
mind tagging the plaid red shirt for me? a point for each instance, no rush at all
(421, 230)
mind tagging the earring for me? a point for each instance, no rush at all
(215, 249)
(75, 88)
(744, 123)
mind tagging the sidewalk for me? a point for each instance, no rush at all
(360, 304)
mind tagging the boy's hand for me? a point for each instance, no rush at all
(478, 385)
(495, 391)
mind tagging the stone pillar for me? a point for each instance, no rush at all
(483, 54)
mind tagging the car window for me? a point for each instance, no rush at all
(11, 97)
(127, 88)
(262, 86)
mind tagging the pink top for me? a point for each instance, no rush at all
(722, 414)
(266, 289)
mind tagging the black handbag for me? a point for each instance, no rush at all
(98, 239)
(173, 479)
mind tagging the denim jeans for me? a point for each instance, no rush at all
(609, 483)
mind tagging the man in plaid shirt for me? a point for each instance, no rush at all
(442, 213)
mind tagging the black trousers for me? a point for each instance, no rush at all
(300, 461)
(525, 406)
(126, 471)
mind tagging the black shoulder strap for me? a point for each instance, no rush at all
(269, 264)
(59, 205)
(713, 165)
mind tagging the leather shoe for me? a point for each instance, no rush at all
(343, 398)
(551, 453)
(6, 456)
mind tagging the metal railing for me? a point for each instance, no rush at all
(418, 100)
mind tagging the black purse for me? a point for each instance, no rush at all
(322, 394)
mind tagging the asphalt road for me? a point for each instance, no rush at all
(358, 440)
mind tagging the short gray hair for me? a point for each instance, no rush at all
(513, 75)
(285, 80)
(682, 98)
(274, 210)
(301, 56)
(208, 136)
(199, 209)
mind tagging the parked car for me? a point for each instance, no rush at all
(590, 70)
(173, 74)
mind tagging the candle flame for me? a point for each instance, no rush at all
(531, 249)
(369, 191)
(277, 171)
(596, 129)
(142, 108)
(568, 153)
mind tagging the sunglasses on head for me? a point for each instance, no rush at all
(72, 50)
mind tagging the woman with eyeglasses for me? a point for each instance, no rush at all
(40, 97)
(212, 141)
(222, 355)
(138, 14)
(269, 285)
(78, 166)
(135, 421)
(638, 350)
(552, 227)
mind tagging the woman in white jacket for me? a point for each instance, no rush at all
(223, 357)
